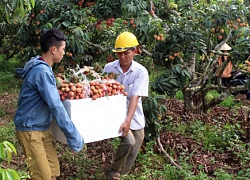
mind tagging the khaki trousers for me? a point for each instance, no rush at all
(40, 151)
(127, 151)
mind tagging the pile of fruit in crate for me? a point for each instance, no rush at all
(80, 83)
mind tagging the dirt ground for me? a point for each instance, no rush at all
(176, 142)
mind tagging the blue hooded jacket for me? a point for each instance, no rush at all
(39, 100)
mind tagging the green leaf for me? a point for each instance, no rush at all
(174, 82)
(12, 174)
(9, 146)
(58, 83)
(177, 68)
(2, 151)
(47, 25)
(33, 2)
(3, 173)
(66, 24)
(187, 73)
(166, 84)
(172, 76)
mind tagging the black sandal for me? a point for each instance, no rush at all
(114, 174)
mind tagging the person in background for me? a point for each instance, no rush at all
(135, 78)
(38, 101)
(227, 71)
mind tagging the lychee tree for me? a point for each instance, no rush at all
(91, 27)
(12, 12)
(183, 36)
(191, 49)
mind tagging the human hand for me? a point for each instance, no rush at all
(124, 128)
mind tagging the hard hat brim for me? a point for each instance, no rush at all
(122, 49)
(119, 50)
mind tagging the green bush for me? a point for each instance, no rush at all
(9, 82)
(6, 151)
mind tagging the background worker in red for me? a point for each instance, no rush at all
(227, 71)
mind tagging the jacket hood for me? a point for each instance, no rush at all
(34, 61)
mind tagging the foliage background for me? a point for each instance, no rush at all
(180, 42)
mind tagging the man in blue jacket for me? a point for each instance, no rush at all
(38, 102)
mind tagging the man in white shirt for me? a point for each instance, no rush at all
(135, 78)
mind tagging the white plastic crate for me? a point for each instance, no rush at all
(96, 120)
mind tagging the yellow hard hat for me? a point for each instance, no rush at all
(125, 41)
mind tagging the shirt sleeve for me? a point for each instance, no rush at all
(49, 93)
(141, 83)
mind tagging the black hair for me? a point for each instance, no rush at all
(51, 37)
(222, 58)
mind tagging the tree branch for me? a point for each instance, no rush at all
(146, 52)
(171, 11)
(224, 41)
(166, 154)
(151, 10)
(215, 101)
(96, 45)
